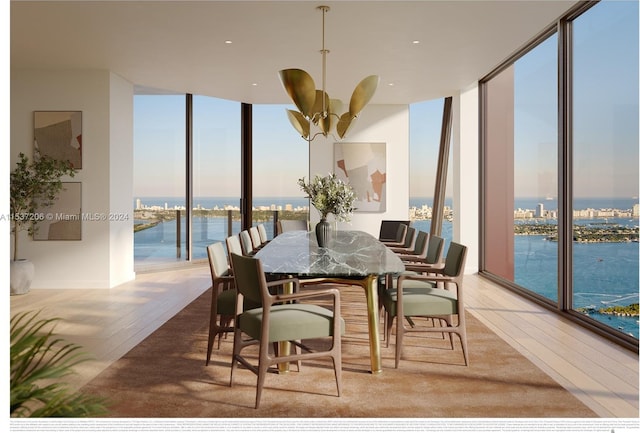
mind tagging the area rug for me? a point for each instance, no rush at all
(165, 376)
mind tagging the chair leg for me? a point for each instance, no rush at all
(263, 366)
(399, 337)
(212, 324)
(388, 323)
(237, 335)
(213, 331)
(337, 363)
(449, 323)
(463, 343)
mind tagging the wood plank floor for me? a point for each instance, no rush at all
(109, 322)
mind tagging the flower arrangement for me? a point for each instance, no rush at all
(329, 194)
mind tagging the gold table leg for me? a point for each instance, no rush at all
(371, 293)
(284, 347)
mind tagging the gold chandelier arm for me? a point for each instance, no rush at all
(299, 123)
(301, 89)
(344, 123)
(362, 94)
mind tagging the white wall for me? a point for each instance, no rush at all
(465, 174)
(376, 123)
(104, 256)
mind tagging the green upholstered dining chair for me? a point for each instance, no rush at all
(432, 261)
(255, 238)
(389, 230)
(233, 245)
(419, 295)
(399, 238)
(292, 225)
(262, 231)
(281, 318)
(223, 295)
(420, 248)
(246, 243)
(409, 242)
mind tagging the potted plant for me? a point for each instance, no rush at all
(34, 185)
(329, 194)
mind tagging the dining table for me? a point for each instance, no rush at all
(350, 257)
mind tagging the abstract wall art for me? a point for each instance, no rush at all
(364, 167)
(58, 134)
(62, 221)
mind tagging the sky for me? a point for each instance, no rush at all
(605, 108)
(159, 148)
(605, 127)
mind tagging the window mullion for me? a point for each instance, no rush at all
(565, 169)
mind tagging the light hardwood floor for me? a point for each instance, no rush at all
(109, 322)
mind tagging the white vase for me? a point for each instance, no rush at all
(22, 272)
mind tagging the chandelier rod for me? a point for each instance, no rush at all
(324, 52)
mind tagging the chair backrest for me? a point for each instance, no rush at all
(233, 245)
(435, 249)
(421, 245)
(291, 225)
(249, 277)
(255, 237)
(262, 231)
(410, 238)
(455, 260)
(401, 233)
(389, 229)
(218, 262)
(245, 242)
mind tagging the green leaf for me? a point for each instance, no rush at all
(38, 360)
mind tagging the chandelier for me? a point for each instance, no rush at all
(315, 107)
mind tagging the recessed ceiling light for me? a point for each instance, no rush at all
(254, 84)
(415, 42)
(391, 84)
(228, 42)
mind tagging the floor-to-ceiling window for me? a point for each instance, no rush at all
(535, 144)
(605, 164)
(280, 158)
(425, 130)
(560, 169)
(161, 150)
(216, 172)
(159, 179)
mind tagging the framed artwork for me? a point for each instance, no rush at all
(58, 134)
(62, 220)
(364, 167)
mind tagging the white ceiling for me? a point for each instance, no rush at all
(180, 46)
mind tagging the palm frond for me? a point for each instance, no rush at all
(38, 361)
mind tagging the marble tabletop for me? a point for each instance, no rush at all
(349, 253)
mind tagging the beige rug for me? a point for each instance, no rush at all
(165, 376)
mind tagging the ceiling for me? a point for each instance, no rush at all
(179, 46)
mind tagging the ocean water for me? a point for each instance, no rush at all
(605, 274)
